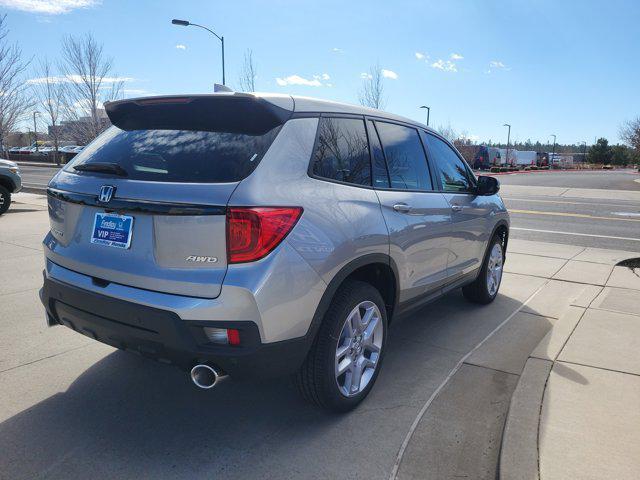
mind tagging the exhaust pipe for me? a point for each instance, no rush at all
(206, 376)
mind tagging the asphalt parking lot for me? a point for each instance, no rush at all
(72, 407)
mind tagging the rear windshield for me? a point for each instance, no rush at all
(176, 155)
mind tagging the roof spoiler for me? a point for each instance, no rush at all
(223, 112)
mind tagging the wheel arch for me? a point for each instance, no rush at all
(7, 183)
(377, 269)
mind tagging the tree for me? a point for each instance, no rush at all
(248, 73)
(88, 82)
(630, 133)
(49, 95)
(372, 91)
(447, 132)
(14, 94)
(621, 155)
(600, 152)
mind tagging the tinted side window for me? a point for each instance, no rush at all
(342, 152)
(406, 161)
(453, 173)
(379, 167)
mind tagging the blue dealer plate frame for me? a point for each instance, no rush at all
(112, 230)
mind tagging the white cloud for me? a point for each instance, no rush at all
(389, 74)
(75, 79)
(366, 75)
(180, 46)
(456, 56)
(337, 50)
(445, 65)
(496, 65)
(316, 80)
(420, 56)
(48, 7)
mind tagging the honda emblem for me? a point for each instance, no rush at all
(106, 193)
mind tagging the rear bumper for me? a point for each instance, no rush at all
(162, 335)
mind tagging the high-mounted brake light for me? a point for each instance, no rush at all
(253, 232)
(163, 100)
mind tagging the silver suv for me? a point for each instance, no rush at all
(256, 235)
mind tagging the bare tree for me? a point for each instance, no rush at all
(248, 73)
(14, 95)
(49, 95)
(372, 90)
(88, 82)
(630, 133)
(448, 132)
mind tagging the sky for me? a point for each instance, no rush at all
(568, 68)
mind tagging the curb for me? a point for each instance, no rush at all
(519, 455)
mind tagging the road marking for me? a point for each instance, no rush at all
(425, 407)
(566, 203)
(627, 214)
(577, 234)
(577, 215)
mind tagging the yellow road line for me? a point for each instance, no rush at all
(577, 215)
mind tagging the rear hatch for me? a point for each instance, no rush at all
(144, 204)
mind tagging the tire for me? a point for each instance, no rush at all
(483, 290)
(317, 379)
(5, 199)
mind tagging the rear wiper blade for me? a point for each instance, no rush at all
(101, 167)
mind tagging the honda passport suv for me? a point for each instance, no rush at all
(245, 235)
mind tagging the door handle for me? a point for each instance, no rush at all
(456, 208)
(402, 207)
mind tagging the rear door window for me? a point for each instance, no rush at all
(176, 155)
(406, 161)
(452, 170)
(342, 151)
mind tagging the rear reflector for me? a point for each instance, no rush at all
(253, 232)
(223, 336)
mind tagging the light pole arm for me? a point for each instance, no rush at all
(208, 30)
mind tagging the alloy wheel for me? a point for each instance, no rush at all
(494, 269)
(358, 348)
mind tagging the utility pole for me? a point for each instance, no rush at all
(553, 152)
(506, 160)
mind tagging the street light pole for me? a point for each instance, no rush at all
(506, 160)
(35, 129)
(186, 23)
(428, 113)
(584, 151)
(553, 152)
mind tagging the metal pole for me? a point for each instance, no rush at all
(553, 152)
(506, 160)
(35, 130)
(223, 78)
(428, 113)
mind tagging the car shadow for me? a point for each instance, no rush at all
(126, 416)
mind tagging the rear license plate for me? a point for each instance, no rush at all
(112, 230)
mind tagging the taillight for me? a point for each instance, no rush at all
(253, 232)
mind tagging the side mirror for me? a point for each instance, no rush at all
(487, 185)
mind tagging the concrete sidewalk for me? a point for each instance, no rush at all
(575, 412)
